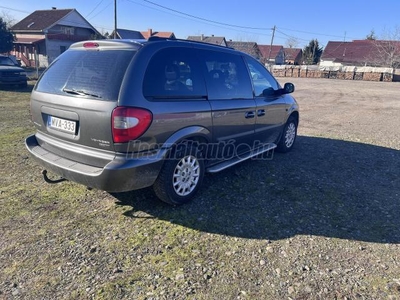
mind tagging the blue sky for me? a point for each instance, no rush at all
(250, 20)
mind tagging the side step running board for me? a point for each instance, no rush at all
(239, 158)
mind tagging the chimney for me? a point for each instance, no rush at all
(202, 37)
(150, 32)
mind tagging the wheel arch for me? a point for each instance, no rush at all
(295, 114)
(197, 134)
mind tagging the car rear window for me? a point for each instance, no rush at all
(88, 74)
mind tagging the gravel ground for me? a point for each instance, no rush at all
(320, 222)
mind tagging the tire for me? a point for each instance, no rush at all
(181, 176)
(288, 137)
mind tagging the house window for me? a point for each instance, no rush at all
(68, 30)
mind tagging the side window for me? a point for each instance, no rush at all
(261, 78)
(226, 75)
(173, 73)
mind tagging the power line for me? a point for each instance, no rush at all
(201, 19)
(94, 8)
(239, 26)
(13, 9)
(111, 2)
(204, 19)
(197, 20)
(291, 36)
(314, 33)
(77, 23)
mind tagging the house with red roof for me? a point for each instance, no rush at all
(273, 55)
(45, 34)
(373, 53)
(293, 56)
(133, 34)
(250, 48)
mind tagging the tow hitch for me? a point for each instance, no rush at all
(48, 180)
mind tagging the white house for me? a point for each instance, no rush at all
(45, 34)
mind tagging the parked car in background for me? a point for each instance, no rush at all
(123, 115)
(11, 73)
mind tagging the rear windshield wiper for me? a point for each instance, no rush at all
(80, 93)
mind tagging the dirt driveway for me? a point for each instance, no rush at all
(321, 222)
(358, 111)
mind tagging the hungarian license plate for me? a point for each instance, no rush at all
(61, 124)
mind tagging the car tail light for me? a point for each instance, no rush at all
(129, 123)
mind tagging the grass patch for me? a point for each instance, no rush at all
(305, 225)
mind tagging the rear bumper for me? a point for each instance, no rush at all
(120, 175)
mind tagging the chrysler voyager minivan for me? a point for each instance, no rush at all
(120, 115)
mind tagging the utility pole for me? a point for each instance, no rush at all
(115, 19)
(272, 41)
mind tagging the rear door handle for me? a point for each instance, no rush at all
(250, 114)
(261, 112)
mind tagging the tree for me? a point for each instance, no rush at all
(107, 35)
(371, 36)
(7, 18)
(388, 48)
(97, 36)
(312, 53)
(292, 42)
(6, 37)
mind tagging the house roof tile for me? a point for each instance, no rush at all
(274, 50)
(40, 20)
(292, 53)
(129, 34)
(358, 52)
(165, 34)
(248, 47)
(216, 40)
(133, 34)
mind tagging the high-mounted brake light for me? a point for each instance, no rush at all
(129, 123)
(90, 45)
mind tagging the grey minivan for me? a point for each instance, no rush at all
(120, 115)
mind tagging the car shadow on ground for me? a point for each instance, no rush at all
(324, 187)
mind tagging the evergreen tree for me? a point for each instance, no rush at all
(312, 53)
(6, 37)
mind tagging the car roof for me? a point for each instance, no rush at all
(135, 44)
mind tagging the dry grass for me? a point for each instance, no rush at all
(318, 223)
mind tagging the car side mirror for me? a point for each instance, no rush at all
(288, 88)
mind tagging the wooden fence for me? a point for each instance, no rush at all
(345, 73)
